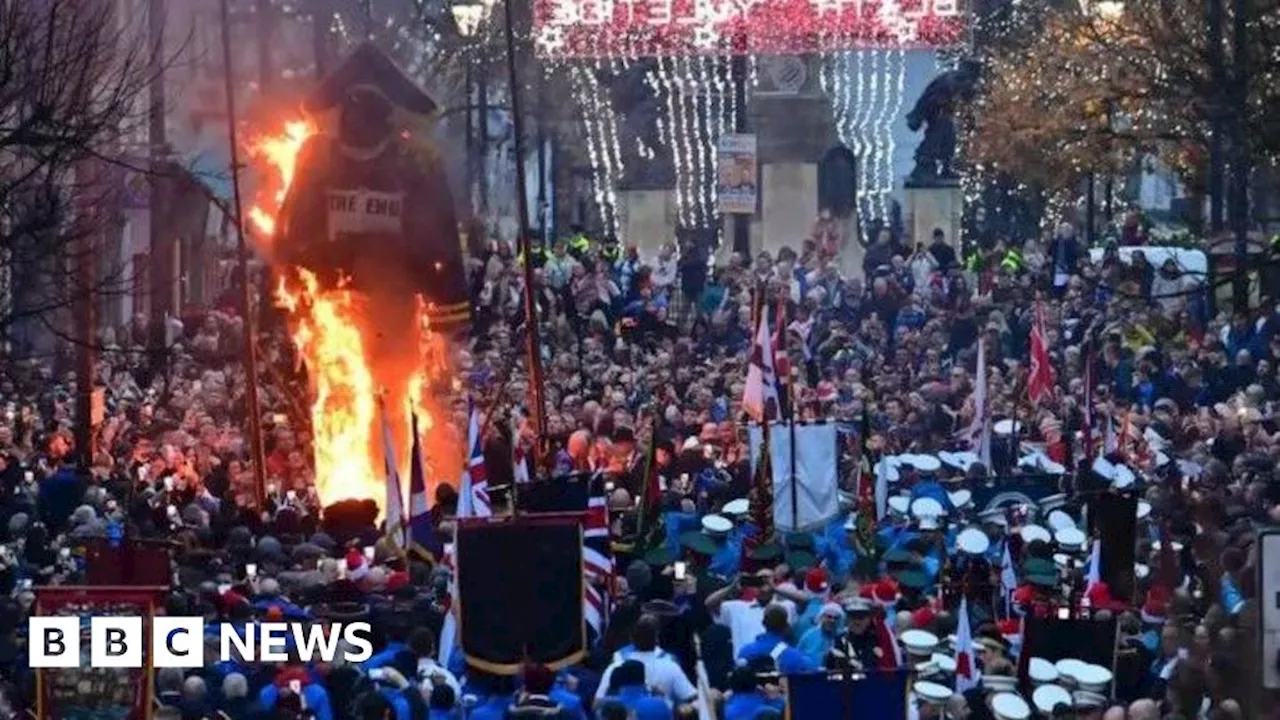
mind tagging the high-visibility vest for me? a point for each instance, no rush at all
(1012, 261)
(973, 261)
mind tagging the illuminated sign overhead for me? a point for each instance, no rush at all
(635, 28)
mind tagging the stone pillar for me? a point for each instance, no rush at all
(647, 219)
(789, 204)
(792, 120)
(930, 208)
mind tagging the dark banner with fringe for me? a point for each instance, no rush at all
(520, 593)
(880, 695)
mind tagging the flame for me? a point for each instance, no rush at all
(339, 337)
(280, 152)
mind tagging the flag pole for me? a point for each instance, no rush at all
(785, 344)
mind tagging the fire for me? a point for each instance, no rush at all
(340, 338)
(280, 152)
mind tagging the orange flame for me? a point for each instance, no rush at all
(336, 334)
(280, 152)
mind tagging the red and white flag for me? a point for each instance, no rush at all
(473, 491)
(597, 557)
(760, 396)
(1040, 381)
(967, 676)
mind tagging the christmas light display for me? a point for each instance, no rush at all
(865, 88)
(585, 28)
(598, 120)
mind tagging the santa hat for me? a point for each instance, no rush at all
(1156, 606)
(816, 580)
(397, 580)
(1099, 597)
(357, 567)
(883, 593)
(923, 617)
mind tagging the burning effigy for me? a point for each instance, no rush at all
(368, 268)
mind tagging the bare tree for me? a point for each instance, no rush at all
(73, 87)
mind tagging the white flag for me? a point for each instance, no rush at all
(1093, 575)
(977, 426)
(967, 675)
(760, 395)
(1008, 578)
(396, 522)
(882, 487)
(473, 489)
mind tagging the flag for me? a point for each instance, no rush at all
(1040, 380)
(866, 478)
(1008, 578)
(781, 360)
(1109, 442)
(597, 557)
(473, 490)
(647, 530)
(760, 395)
(984, 445)
(395, 524)
(1093, 575)
(882, 487)
(519, 451)
(973, 433)
(966, 670)
(422, 532)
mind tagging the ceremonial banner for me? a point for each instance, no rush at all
(1113, 520)
(520, 594)
(87, 693)
(737, 175)
(816, 472)
(1013, 491)
(880, 695)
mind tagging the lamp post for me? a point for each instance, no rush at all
(467, 17)
(469, 14)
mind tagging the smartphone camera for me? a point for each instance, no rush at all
(681, 569)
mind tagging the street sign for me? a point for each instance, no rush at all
(1269, 597)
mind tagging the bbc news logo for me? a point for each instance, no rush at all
(179, 642)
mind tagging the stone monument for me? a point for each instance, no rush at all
(933, 196)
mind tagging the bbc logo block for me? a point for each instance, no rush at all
(180, 642)
(54, 642)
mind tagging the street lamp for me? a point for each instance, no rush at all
(469, 17)
(1108, 9)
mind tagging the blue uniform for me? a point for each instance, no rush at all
(815, 643)
(490, 708)
(384, 658)
(787, 659)
(643, 704)
(746, 706)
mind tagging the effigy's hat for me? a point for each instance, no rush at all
(368, 69)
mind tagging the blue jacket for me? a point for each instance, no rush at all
(746, 706)
(789, 661)
(815, 643)
(490, 708)
(384, 658)
(643, 704)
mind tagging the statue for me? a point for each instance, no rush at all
(371, 203)
(935, 110)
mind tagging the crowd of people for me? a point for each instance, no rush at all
(645, 359)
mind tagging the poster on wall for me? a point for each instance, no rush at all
(86, 693)
(737, 176)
